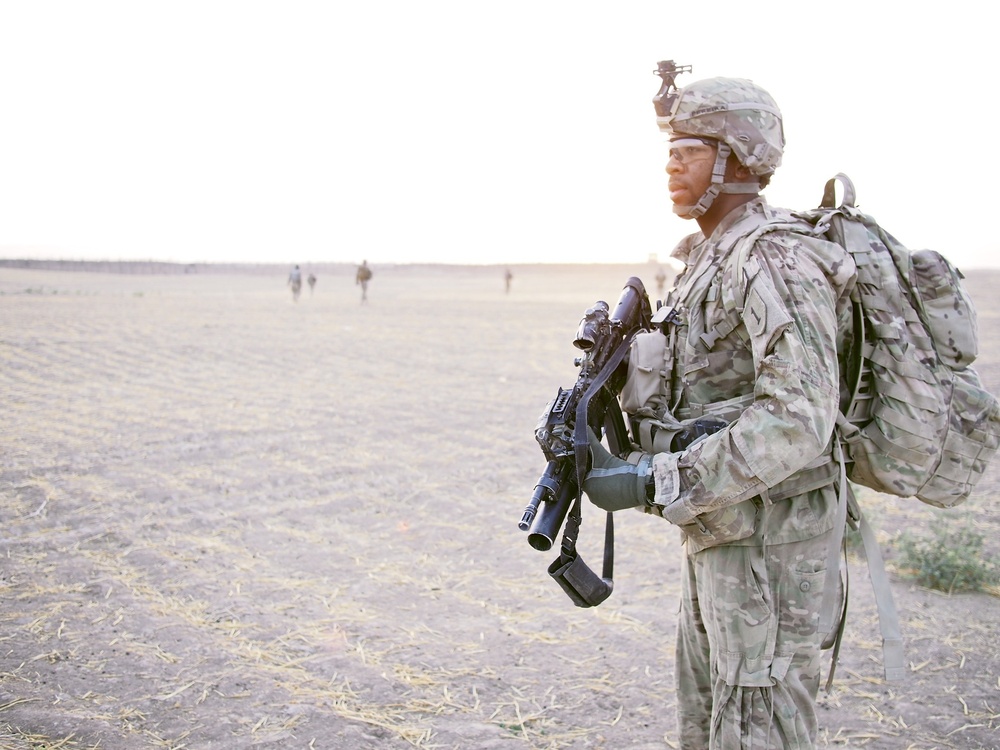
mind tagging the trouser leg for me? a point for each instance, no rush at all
(749, 630)
(693, 672)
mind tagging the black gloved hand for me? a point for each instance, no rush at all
(614, 484)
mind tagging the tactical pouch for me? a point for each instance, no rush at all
(581, 584)
(948, 311)
(644, 385)
(732, 523)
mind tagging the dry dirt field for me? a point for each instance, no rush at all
(228, 520)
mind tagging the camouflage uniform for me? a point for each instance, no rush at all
(295, 282)
(362, 277)
(756, 501)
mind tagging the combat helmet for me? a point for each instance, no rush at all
(737, 113)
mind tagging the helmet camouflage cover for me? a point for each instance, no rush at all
(733, 110)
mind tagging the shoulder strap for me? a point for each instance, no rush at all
(740, 270)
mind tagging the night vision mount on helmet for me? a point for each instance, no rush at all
(735, 113)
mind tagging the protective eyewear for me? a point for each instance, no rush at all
(687, 150)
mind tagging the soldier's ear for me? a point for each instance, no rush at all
(742, 174)
(736, 172)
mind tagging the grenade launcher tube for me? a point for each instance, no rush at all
(556, 491)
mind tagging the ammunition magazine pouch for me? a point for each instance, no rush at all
(581, 584)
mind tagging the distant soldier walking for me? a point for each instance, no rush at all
(312, 283)
(362, 278)
(507, 277)
(295, 282)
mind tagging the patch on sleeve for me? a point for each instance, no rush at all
(755, 313)
(764, 313)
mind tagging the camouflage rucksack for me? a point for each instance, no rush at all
(918, 422)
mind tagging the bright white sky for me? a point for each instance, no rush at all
(462, 131)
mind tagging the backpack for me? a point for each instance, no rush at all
(917, 421)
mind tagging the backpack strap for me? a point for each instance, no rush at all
(838, 545)
(737, 273)
(849, 513)
(893, 661)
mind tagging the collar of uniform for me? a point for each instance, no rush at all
(686, 246)
(757, 206)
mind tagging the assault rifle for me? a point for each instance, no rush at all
(562, 434)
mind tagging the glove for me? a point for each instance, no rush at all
(614, 484)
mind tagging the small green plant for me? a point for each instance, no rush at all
(950, 560)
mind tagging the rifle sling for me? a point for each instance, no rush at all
(581, 447)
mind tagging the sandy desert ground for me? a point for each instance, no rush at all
(228, 520)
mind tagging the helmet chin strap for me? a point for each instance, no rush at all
(718, 185)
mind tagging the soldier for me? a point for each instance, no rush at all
(362, 278)
(312, 283)
(661, 279)
(508, 276)
(295, 282)
(756, 498)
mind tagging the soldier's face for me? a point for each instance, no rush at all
(690, 170)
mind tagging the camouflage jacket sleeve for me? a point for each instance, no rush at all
(797, 290)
